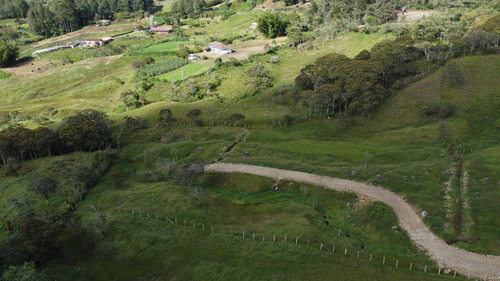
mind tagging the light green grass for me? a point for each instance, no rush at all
(185, 72)
(4, 75)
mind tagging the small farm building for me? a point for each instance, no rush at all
(220, 48)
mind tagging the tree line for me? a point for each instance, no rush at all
(87, 131)
(62, 16)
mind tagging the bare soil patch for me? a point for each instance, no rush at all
(416, 15)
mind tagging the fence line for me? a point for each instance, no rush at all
(299, 241)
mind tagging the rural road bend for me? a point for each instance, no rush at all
(482, 267)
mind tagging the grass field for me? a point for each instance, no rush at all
(187, 71)
(398, 143)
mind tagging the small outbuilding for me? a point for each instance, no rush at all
(220, 48)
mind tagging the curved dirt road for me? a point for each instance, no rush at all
(483, 267)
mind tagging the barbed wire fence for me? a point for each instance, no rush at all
(328, 249)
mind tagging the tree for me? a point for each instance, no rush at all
(273, 25)
(8, 53)
(325, 66)
(42, 186)
(304, 82)
(25, 272)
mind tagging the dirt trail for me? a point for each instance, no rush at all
(483, 267)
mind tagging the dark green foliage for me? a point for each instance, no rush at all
(25, 272)
(325, 66)
(235, 118)
(8, 53)
(165, 118)
(193, 113)
(61, 16)
(13, 9)
(21, 143)
(88, 131)
(304, 82)
(273, 25)
(42, 186)
(363, 55)
(188, 8)
(134, 124)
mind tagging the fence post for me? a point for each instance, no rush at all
(397, 262)
(333, 250)
(203, 227)
(411, 264)
(455, 274)
(321, 246)
(285, 238)
(253, 236)
(175, 220)
(439, 272)
(345, 252)
(263, 237)
(425, 269)
(274, 238)
(296, 240)
(370, 257)
(338, 235)
(133, 212)
(358, 255)
(383, 261)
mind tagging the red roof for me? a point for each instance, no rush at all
(161, 28)
(219, 46)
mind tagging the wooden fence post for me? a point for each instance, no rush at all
(263, 237)
(333, 250)
(370, 257)
(383, 261)
(274, 238)
(455, 274)
(175, 220)
(285, 238)
(203, 227)
(439, 272)
(358, 255)
(411, 264)
(425, 269)
(338, 235)
(296, 240)
(345, 252)
(397, 262)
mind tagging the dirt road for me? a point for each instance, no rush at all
(483, 267)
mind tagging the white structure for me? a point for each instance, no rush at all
(253, 26)
(193, 57)
(220, 48)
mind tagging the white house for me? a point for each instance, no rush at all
(220, 48)
(193, 57)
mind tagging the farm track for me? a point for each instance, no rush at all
(483, 267)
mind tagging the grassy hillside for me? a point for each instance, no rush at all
(401, 147)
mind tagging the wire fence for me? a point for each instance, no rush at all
(328, 249)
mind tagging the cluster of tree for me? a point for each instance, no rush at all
(273, 25)
(336, 83)
(13, 9)
(62, 16)
(188, 8)
(8, 53)
(86, 131)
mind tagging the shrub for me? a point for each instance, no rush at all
(136, 65)
(455, 76)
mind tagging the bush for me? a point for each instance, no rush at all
(8, 53)
(455, 76)
(136, 65)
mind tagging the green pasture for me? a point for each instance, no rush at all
(186, 71)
